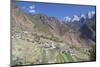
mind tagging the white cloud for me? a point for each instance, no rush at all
(32, 7)
(75, 18)
(32, 11)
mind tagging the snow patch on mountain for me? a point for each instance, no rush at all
(82, 17)
(67, 19)
(75, 18)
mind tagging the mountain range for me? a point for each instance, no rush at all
(86, 16)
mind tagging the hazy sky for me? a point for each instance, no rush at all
(57, 10)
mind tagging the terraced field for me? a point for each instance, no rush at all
(27, 52)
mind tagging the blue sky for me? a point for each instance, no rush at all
(57, 10)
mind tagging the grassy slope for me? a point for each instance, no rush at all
(63, 57)
(38, 24)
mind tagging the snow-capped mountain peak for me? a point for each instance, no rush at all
(75, 18)
(90, 14)
(67, 19)
(83, 16)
